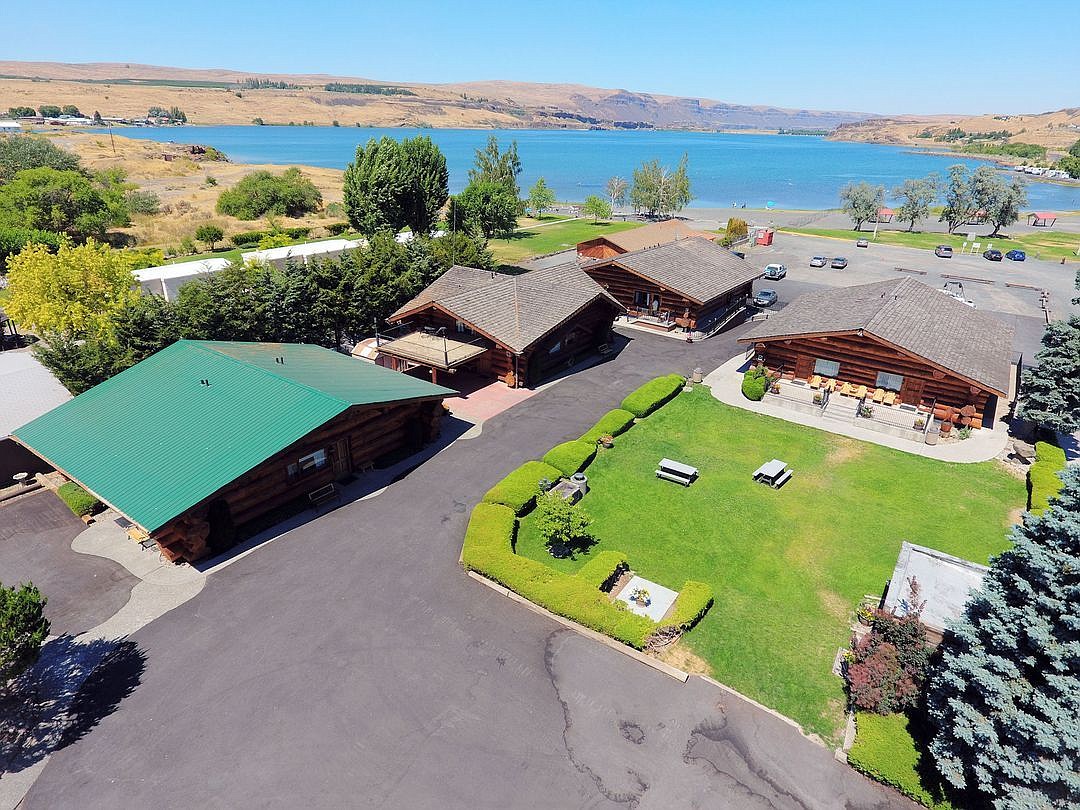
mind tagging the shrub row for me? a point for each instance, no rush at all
(1043, 482)
(337, 228)
(652, 395)
(488, 550)
(693, 601)
(571, 457)
(78, 499)
(611, 423)
(518, 489)
(754, 382)
(241, 238)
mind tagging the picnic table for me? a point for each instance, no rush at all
(676, 471)
(774, 473)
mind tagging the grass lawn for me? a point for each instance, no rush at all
(788, 568)
(886, 750)
(1049, 245)
(551, 238)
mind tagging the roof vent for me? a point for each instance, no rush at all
(280, 360)
(204, 382)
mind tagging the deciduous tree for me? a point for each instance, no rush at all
(1005, 696)
(596, 207)
(659, 190)
(617, 189)
(861, 202)
(209, 234)
(916, 196)
(560, 523)
(495, 166)
(427, 183)
(541, 198)
(52, 200)
(484, 207)
(999, 201)
(259, 193)
(959, 203)
(33, 152)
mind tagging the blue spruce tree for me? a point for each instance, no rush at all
(1004, 698)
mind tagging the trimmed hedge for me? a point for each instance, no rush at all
(337, 228)
(652, 395)
(518, 489)
(693, 601)
(604, 566)
(611, 423)
(248, 237)
(571, 457)
(885, 750)
(78, 499)
(754, 382)
(1043, 482)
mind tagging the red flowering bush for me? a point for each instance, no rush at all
(887, 666)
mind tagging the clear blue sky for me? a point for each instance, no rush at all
(887, 56)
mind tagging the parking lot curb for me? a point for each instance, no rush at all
(607, 641)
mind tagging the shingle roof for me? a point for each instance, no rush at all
(657, 233)
(514, 310)
(153, 441)
(907, 314)
(30, 389)
(697, 268)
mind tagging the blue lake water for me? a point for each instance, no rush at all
(789, 171)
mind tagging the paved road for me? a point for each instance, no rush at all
(35, 545)
(351, 663)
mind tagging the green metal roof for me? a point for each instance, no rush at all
(153, 441)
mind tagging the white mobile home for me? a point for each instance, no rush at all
(167, 280)
(302, 254)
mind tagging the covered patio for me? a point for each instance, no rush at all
(1042, 219)
(430, 347)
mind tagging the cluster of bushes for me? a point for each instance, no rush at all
(736, 229)
(260, 193)
(571, 457)
(1043, 481)
(611, 423)
(78, 500)
(247, 238)
(754, 383)
(492, 531)
(888, 665)
(14, 239)
(337, 228)
(652, 395)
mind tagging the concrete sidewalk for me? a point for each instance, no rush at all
(983, 445)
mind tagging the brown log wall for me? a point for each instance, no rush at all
(622, 284)
(370, 432)
(862, 358)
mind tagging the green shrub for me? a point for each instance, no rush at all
(262, 192)
(693, 601)
(571, 457)
(611, 423)
(518, 489)
(603, 568)
(754, 382)
(242, 238)
(1043, 482)
(337, 228)
(885, 750)
(300, 232)
(78, 499)
(652, 395)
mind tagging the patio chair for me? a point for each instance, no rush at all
(815, 381)
(890, 398)
(846, 389)
(879, 395)
(860, 392)
(829, 385)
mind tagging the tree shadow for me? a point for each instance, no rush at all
(73, 686)
(571, 550)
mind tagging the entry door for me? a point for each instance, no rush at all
(342, 459)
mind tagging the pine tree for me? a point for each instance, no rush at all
(23, 627)
(1004, 698)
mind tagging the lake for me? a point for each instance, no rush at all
(789, 171)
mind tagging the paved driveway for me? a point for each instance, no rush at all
(352, 663)
(35, 545)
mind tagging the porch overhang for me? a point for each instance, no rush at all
(433, 350)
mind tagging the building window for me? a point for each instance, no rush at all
(309, 464)
(461, 327)
(890, 382)
(555, 349)
(826, 368)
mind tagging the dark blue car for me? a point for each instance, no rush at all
(1016, 255)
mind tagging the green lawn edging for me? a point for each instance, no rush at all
(489, 547)
(571, 457)
(885, 750)
(611, 423)
(518, 489)
(78, 500)
(1043, 481)
(652, 395)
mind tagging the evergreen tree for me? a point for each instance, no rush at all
(23, 627)
(1051, 391)
(1004, 698)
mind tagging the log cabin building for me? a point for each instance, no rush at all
(901, 335)
(690, 283)
(652, 235)
(520, 329)
(200, 440)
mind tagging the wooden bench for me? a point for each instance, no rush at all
(676, 471)
(324, 495)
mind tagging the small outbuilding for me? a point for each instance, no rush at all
(1042, 219)
(884, 215)
(198, 442)
(656, 233)
(167, 279)
(942, 585)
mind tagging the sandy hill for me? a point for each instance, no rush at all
(216, 96)
(1057, 130)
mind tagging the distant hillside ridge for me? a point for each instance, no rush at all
(220, 96)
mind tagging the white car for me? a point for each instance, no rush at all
(775, 271)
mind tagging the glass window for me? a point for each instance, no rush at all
(890, 382)
(555, 349)
(826, 368)
(308, 464)
(641, 298)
